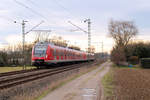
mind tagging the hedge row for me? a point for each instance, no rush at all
(145, 62)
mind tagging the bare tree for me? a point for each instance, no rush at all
(122, 31)
(118, 55)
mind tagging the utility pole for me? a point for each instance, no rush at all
(89, 34)
(23, 38)
(23, 42)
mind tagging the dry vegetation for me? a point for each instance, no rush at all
(9, 69)
(130, 84)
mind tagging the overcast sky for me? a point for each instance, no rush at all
(57, 13)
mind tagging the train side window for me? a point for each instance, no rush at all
(54, 53)
(57, 52)
(51, 51)
(66, 53)
(73, 54)
(63, 53)
(69, 54)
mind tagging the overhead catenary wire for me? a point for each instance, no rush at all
(8, 19)
(78, 27)
(71, 14)
(34, 27)
(36, 5)
(33, 11)
(39, 14)
(66, 9)
(33, 3)
(58, 3)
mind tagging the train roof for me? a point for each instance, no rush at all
(60, 47)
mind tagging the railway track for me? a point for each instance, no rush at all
(17, 78)
(16, 72)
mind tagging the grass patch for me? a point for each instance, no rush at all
(9, 69)
(107, 81)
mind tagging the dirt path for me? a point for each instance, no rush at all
(85, 87)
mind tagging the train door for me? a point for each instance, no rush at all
(54, 54)
(51, 53)
(65, 55)
(62, 53)
(57, 54)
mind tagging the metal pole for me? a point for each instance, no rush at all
(23, 43)
(89, 35)
(23, 40)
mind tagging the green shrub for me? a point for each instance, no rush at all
(145, 62)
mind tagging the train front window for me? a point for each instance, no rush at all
(40, 51)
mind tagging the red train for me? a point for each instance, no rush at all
(44, 53)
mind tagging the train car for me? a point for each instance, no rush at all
(44, 53)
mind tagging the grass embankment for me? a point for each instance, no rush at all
(126, 83)
(107, 82)
(9, 69)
